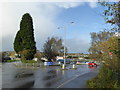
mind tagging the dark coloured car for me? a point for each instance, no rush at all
(67, 61)
(60, 60)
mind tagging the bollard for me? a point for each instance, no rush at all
(63, 66)
(74, 66)
(45, 63)
(59, 63)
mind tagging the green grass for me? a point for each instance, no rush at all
(12, 60)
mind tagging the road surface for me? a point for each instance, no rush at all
(46, 77)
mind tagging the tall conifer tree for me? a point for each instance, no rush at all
(24, 43)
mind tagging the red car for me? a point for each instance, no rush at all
(92, 64)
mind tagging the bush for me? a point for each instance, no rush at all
(105, 79)
(28, 61)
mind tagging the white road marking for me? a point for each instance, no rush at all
(72, 79)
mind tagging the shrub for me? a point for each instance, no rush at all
(28, 61)
(105, 79)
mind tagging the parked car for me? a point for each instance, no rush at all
(62, 61)
(92, 64)
(78, 62)
(67, 62)
(72, 62)
(86, 62)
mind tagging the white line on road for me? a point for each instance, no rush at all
(72, 79)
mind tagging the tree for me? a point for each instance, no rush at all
(52, 48)
(111, 13)
(108, 76)
(38, 55)
(97, 38)
(24, 43)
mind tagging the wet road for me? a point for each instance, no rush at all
(79, 81)
(46, 77)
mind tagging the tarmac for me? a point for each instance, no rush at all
(79, 81)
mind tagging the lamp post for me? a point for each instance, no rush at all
(65, 28)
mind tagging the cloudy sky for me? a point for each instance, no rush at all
(47, 17)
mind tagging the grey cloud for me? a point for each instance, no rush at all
(7, 43)
(79, 45)
(44, 20)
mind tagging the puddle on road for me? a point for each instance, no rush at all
(51, 78)
(50, 75)
(23, 75)
(52, 71)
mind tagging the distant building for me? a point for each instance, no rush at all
(77, 54)
(117, 34)
(59, 57)
(35, 59)
(44, 59)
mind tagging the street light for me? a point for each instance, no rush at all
(65, 28)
